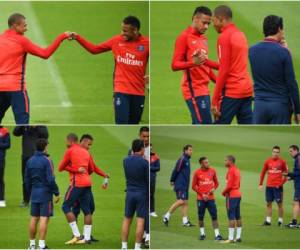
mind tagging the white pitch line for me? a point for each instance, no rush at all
(52, 67)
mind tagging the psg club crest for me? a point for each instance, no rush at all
(140, 48)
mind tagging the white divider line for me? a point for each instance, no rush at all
(52, 67)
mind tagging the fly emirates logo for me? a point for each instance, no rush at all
(129, 59)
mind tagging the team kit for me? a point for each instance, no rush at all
(251, 85)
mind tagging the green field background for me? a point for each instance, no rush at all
(87, 78)
(169, 19)
(251, 147)
(110, 147)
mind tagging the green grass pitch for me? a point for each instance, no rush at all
(169, 20)
(251, 146)
(73, 74)
(110, 147)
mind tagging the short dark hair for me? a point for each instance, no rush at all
(231, 158)
(186, 147)
(137, 145)
(223, 11)
(294, 147)
(133, 21)
(201, 159)
(86, 136)
(276, 147)
(202, 10)
(14, 18)
(72, 137)
(41, 144)
(271, 25)
(144, 129)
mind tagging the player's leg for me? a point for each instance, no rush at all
(35, 216)
(194, 111)
(152, 199)
(130, 207)
(229, 108)
(261, 112)
(201, 205)
(269, 196)
(5, 102)
(238, 220)
(179, 202)
(92, 207)
(203, 104)
(26, 197)
(72, 195)
(279, 201)
(20, 106)
(184, 209)
(46, 211)
(280, 113)
(230, 206)
(137, 103)
(244, 114)
(2, 184)
(122, 108)
(142, 215)
(212, 209)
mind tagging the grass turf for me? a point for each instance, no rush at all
(110, 147)
(168, 21)
(251, 146)
(87, 79)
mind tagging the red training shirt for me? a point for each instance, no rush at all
(233, 179)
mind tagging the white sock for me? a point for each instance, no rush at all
(217, 232)
(32, 242)
(144, 235)
(137, 246)
(268, 219)
(231, 233)
(185, 220)
(124, 245)
(147, 238)
(202, 232)
(87, 229)
(42, 244)
(280, 220)
(238, 232)
(75, 229)
(167, 215)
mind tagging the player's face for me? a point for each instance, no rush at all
(189, 151)
(218, 23)
(205, 163)
(227, 162)
(20, 27)
(201, 22)
(275, 153)
(128, 32)
(144, 136)
(293, 152)
(87, 144)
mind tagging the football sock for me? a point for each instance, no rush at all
(87, 232)
(238, 232)
(202, 232)
(217, 232)
(74, 228)
(185, 220)
(268, 219)
(230, 233)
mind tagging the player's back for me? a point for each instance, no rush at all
(36, 174)
(238, 82)
(267, 61)
(12, 61)
(136, 170)
(235, 176)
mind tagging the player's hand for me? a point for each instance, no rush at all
(56, 199)
(82, 170)
(198, 58)
(205, 197)
(172, 184)
(216, 113)
(107, 176)
(283, 42)
(260, 187)
(297, 118)
(146, 79)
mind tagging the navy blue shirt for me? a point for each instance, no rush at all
(296, 171)
(273, 73)
(181, 173)
(154, 167)
(4, 142)
(136, 170)
(39, 178)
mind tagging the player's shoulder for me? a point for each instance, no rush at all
(183, 35)
(144, 38)
(212, 169)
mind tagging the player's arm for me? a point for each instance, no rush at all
(44, 53)
(229, 184)
(179, 61)
(179, 165)
(262, 175)
(285, 172)
(195, 183)
(51, 179)
(224, 57)
(292, 84)
(93, 48)
(212, 75)
(93, 167)
(65, 161)
(5, 142)
(155, 166)
(211, 64)
(216, 181)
